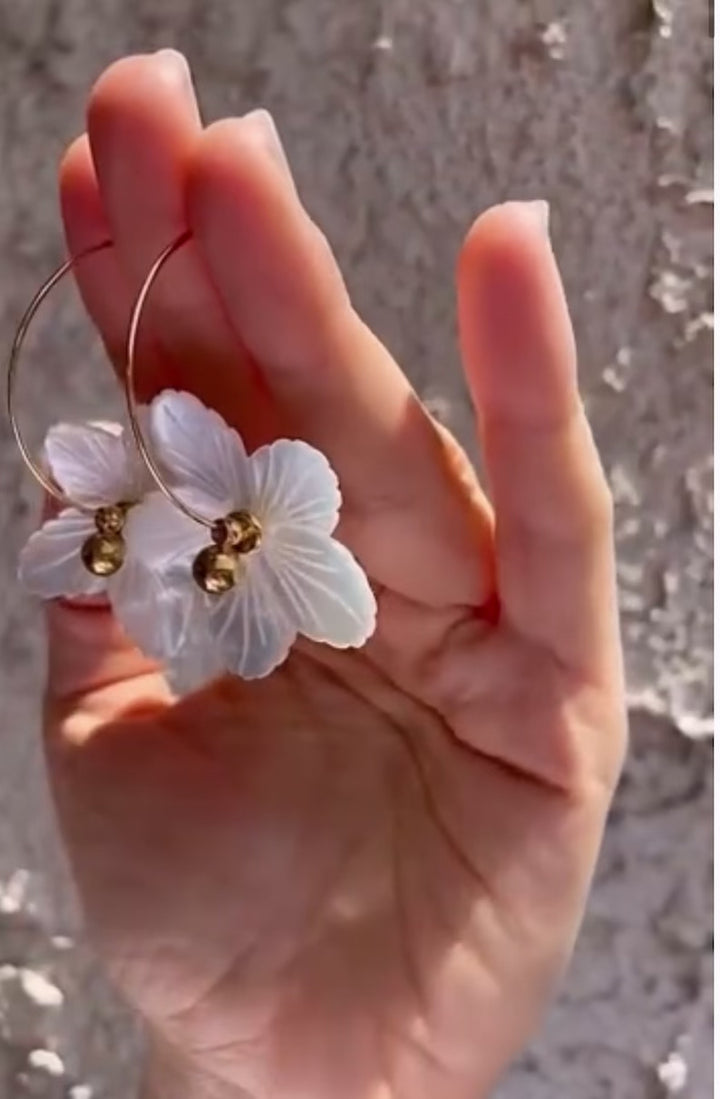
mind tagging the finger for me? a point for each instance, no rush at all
(143, 124)
(104, 287)
(552, 504)
(415, 524)
(105, 290)
(94, 675)
(89, 653)
(94, 670)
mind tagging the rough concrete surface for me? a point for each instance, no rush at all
(403, 118)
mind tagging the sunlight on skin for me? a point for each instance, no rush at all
(364, 875)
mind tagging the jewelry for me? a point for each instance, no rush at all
(271, 569)
(102, 552)
(213, 560)
(215, 567)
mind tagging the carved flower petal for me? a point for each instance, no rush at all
(200, 451)
(50, 563)
(89, 462)
(248, 624)
(322, 589)
(293, 484)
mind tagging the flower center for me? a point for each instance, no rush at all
(239, 530)
(103, 552)
(216, 568)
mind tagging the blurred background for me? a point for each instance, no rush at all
(403, 119)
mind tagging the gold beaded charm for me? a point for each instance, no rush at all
(103, 553)
(216, 568)
(239, 530)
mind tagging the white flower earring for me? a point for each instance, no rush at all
(95, 474)
(243, 543)
(213, 560)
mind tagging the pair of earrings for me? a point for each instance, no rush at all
(213, 560)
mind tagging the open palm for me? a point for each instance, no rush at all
(360, 877)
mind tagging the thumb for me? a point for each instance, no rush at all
(94, 670)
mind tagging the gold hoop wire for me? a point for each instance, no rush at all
(12, 369)
(129, 384)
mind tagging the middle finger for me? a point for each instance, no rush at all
(419, 524)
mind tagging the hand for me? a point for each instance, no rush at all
(361, 877)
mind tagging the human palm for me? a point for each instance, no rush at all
(361, 876)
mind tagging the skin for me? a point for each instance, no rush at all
(362, 876)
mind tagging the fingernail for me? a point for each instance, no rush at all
(175, 65)
(263, 125)
(539, 210)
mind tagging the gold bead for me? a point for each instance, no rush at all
(110, 520)
(239, 531)
(215, 570)
(102, 554)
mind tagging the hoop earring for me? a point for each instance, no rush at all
(102, 552)
(234, 591)
(215, 568)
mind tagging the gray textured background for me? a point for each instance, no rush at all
(403, 118)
